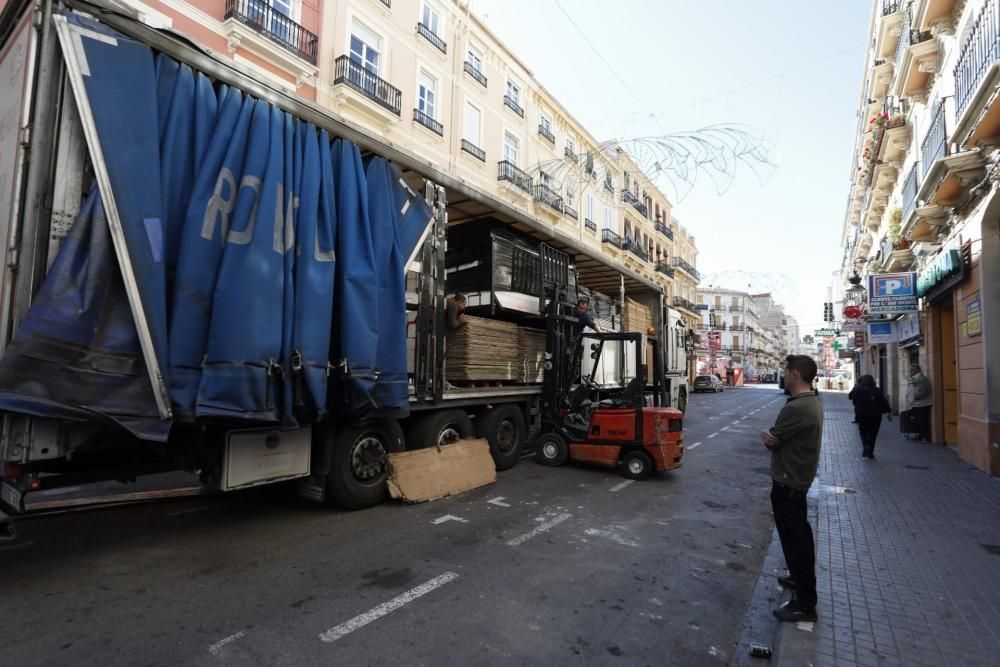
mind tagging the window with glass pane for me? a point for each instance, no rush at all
(570, 144)
(475, 58)
(590, 207)
(511, 148)
(607, 218)
(472, 125)
(365, 47)
(546, 124)
(430, 19)
(427, 94)
(513, 92)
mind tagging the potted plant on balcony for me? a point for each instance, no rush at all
(895, 224)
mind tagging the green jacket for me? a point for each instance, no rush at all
(799, 430)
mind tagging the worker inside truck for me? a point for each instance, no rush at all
(455, 316)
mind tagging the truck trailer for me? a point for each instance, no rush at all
(202, 272)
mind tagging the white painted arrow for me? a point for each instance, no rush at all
(449, 517)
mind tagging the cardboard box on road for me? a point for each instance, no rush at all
(428, 474)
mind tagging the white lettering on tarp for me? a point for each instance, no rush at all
(284, 225)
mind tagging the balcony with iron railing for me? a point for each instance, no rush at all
(611, 237)
(264, 19)
(909, 192)
(629, 198)
(687, 268)
(546, 195)
(423, 119)
(664, 267)
(890, 7)
(979, 54)
(473, 150)
(432, 37)
(475, 73)
(681, 302)
(547, 133)
(508, 172)
(512, 104)
(935, 143)
(570, 154)
(631, 246)
(905, 35)
(590, 224)
(355, 76)
(570, 211)
(665, 230)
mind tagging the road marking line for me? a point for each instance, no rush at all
(619, 487)
(360, 621)
(724, 428)
(694, 445)
(449, 517)
(222, 643)
(548, 525)
(713, 435)
(498, 501)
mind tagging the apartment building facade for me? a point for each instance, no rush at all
(431, 77)
(924, 202)
(276, 40)
(740, 334)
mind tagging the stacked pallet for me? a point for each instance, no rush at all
(531, 346)
(484, 350)
(638, 317)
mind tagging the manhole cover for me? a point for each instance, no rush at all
(992, 548)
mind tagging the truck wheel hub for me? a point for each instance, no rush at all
(367, 458)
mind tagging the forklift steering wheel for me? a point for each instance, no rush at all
(589, 381)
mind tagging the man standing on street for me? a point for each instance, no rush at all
(918, 398)
(794, 441)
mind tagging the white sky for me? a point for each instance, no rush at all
(791, 69)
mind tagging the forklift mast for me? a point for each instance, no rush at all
(560, 317)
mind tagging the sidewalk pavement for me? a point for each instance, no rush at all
(908, 555)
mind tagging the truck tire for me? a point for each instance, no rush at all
(359, 462)
(439, 428)
(636, 464)
(551, 449)
(505, 430)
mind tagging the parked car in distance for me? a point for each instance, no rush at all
(707, 383)
(770, 378)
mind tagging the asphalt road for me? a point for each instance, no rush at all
(572, 565)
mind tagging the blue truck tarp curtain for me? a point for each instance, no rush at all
(234, 214)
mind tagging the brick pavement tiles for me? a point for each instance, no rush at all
(908, 555)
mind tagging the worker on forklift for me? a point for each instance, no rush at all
(583, 319)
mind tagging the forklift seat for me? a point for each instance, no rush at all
(632, 396)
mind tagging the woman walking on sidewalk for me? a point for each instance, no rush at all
(869, 406)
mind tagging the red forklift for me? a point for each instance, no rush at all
(626, 424)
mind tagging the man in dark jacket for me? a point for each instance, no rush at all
(794, 442)
(869, 406)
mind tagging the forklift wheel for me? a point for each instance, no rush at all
(637, 465)
(551, 450)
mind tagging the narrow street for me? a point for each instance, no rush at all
(547, 566)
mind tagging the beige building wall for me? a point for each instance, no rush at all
(475, 125)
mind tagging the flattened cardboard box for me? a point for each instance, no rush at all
(428, 474)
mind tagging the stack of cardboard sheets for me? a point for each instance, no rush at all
(638, 317)
(531, 344)
(484, 350)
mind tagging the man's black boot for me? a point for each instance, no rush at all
(793, 612)
(787, 582)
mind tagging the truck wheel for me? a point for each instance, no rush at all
(636, 464)
(439, 428)
(505, 430)
(358, 471)
(551, 449)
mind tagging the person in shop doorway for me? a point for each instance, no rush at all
(794, 443)
(918, 398)
(869, 406)
(455, 316)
